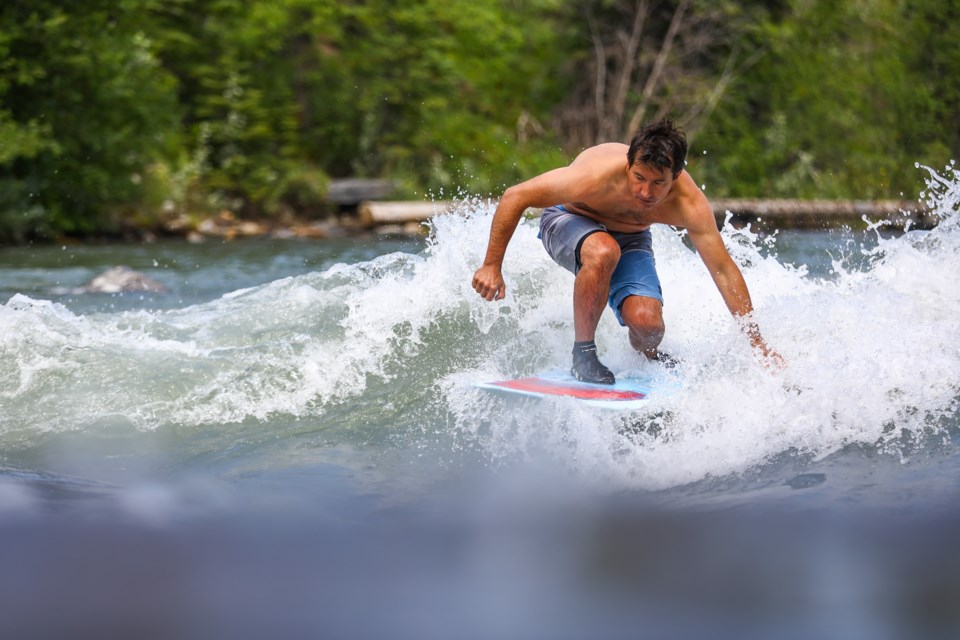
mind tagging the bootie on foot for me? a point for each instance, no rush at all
(587, 367)
(667, 360)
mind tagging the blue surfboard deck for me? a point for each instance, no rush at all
(633, 390)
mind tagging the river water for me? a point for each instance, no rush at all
(289, 444)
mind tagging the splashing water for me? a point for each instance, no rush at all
(388, 349)
(873, 358)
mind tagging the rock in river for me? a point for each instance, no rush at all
(121, 280)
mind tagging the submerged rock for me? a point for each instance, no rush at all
(122, 279)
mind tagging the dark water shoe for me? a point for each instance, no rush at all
(588, 368)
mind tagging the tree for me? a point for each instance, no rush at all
(648, 60)
(934, 69)
(433, 90)
(240, 130)
(831, 111)
(85, 106)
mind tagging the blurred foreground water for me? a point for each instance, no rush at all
(288, 444)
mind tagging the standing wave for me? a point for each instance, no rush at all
(388, 350)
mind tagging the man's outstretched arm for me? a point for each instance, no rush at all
(550, 188)
(727, 277)
(488, 280)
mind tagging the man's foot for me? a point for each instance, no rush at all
(587, 367)
(667, 360)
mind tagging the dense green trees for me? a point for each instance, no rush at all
(84, 102)
(127, 111)
(843, 103)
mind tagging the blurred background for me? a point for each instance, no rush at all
(132, 113)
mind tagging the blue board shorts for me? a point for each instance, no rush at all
(563, 233)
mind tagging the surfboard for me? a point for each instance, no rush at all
(633, 390)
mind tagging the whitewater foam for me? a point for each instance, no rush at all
(873, 359)
(394, 344)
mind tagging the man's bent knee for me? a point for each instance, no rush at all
(599, 249)
(643, 316)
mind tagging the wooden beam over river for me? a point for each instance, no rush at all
(766, 214)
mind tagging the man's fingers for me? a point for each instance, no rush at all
(493, 293)
(773, 361)
(489, 288)
(489, 293)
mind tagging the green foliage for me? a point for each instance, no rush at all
(428, 89)
(239, 135)
(831, 111)
(84, 105)
(934, 62)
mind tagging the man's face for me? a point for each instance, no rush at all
(649, 185)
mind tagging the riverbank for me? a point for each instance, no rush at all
(408, 217)
(373, 218)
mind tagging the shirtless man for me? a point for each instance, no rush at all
(596, 224)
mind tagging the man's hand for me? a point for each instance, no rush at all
(488, 282)
(770, 358)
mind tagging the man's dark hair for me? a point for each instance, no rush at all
(659, 144)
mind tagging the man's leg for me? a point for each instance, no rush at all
(644, 318)
(599, 254)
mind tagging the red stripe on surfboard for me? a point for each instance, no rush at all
(556, 388)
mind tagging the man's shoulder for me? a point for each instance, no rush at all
(612, 147)
(686, 191)
(689, 201)
(604, 150)
(596, 168)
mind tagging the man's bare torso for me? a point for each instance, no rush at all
(603, 193)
